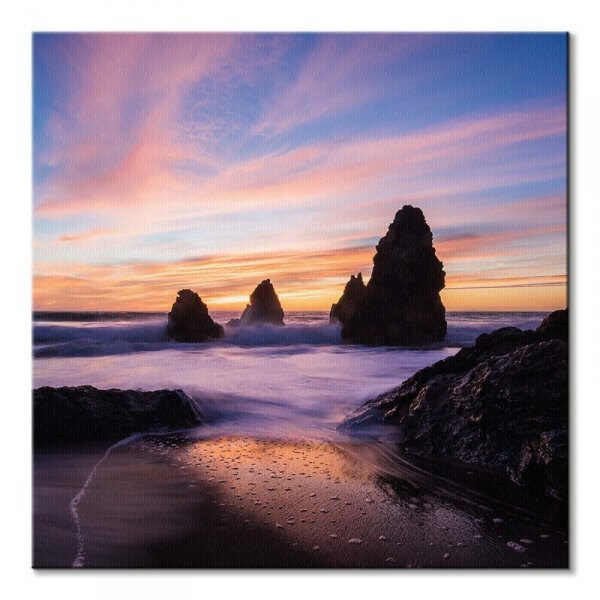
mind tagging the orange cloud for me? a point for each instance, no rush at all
(312, 279)
(309, 280)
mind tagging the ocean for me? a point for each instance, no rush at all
(266, 382)
(267, 480)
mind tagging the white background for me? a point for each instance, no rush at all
(20, 19)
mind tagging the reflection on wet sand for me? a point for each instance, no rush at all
(247, 502)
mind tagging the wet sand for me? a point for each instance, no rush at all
(240, 502)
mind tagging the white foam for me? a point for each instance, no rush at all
(79, 560)
(295, 380)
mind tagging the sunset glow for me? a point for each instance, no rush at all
(211, 162)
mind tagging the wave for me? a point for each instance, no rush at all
(107, 338)
(98, 338)
(464, 328)
(98, 334)
(86, 316)
(289, 335)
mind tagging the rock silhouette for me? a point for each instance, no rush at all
(264, 306)
(351, 299)
(189, 320)
(500, 405)
(85, 413)
(556, 325)
(402, 304)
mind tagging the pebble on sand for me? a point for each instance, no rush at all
(446, 555)
(355, 541)
(516, 547)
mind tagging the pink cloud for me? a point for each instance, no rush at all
(427, 162)
(85, 236)
(128, 170)
(117, 136)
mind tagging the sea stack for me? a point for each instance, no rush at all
(351, 299)
(264, 306)
(189, 320)
(401, 304)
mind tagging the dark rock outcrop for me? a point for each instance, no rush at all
(189, 320)
(402, 304)
(556, 325)
(77, 414)
(264, 306)
(501, 405)
(351, 299)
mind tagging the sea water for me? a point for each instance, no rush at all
(295, 382)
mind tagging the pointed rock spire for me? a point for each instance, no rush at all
(401, 304)
(350, 300)
(264, 306)
(189, 320)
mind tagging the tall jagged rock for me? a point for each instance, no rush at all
(264, 306)
(351, 299)
(402, 304)
(189, 320)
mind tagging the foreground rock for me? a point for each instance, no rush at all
(264, 306)
(351, 299)
(501, 405)
(189, 320)
(401, 304)
(84, 413)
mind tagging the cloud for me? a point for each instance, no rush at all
(339, 74)
(120, 145)
(130, 160)
(455, 158)
(85, 236)
(310, 278)
(303, 279)
(114, 138)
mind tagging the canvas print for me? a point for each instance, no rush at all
(300, 300)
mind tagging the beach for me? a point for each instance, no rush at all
(171, 502)
(267, 479)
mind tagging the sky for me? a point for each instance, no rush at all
(213, 161)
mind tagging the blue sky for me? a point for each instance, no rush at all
(164, 161)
